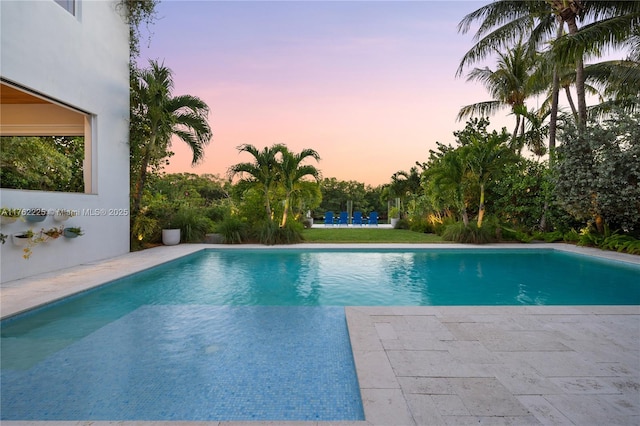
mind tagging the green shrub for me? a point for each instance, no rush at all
(549, 237)
(269, 233)
(402, 224)
(621, 243)
(144, 229)
(571, 236)
(193, 224)
(217, 213)
(233, 230)
(439, 227)
(590, 238)
(420, 224)
(459, 233)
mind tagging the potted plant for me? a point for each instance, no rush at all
(63, 214)
(171, 233)
(35, 215)
(53, 233)
(8, 215)
(27, 240)
(171, 236)
(394, 216)
(73, 232)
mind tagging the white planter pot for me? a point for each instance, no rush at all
(394, 222)
(60, 217)
(20, 241)
(7, 220)
(170, 237)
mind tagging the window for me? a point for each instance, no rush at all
(44, 145)
(68, 5)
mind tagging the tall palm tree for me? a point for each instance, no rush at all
(504, 22)
(261, 172)
(156, 116)
(291, 172)
(510, 84)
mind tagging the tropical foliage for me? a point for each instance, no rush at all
(485, 187)
(279, 180)
(42, 163)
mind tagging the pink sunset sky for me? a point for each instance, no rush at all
(370, 85)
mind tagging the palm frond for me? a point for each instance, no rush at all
(481, 109)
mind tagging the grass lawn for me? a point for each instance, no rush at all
(367, 235)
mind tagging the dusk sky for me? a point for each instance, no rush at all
(369, 85)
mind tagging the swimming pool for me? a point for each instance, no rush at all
(129, 334)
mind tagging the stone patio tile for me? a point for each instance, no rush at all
(248, 423)
(518, 341)
(604, 309)
(585, 385)
(450, 405)
(491, 421)
(522, 379)
(425, 323)
(385, 407)
(470, 352)
(542, 409)
(424, 410)
(589, 410)
(385, 331)
(626, 385)
(416, 310)
(374, 370)
(627, 404)
(461, 332)
(426, 385)
(415, 341)
(606, 351)
(431, 364)
(487, 397)
(556, 364)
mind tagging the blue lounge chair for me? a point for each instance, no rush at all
(373, 218)
(328, 219)
(357, 218)
(344, 219)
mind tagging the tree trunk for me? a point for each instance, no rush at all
(465, 217)
(142, 177)
(481, 208)
(285, 214)
(574, 111)
(553, 118)
(580, 80)
(514, 138)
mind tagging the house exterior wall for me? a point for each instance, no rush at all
(81, 61)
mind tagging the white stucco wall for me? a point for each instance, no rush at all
(81, 61)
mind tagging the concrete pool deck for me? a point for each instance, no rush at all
(443, 364)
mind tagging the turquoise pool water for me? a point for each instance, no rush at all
(258, 334)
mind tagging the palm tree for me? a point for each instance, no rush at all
(262, 172)
(447, 172)
(486, 158)
(510, 84)
(504, 22)
(156, 116)
(291, 171)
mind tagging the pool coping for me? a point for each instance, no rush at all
(403, 355)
